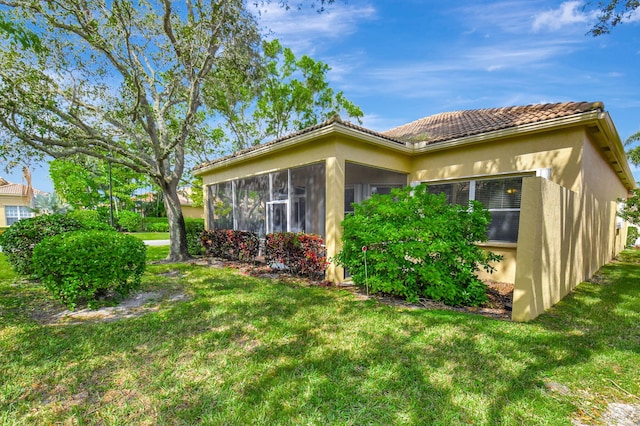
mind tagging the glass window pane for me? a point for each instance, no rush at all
(504, 226)
(456, 193)
(349, 199)
(499, 193)
(25, 212)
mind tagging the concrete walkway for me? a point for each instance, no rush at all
(157, 242)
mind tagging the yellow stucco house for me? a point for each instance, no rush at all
(14, 203)
(550, 175)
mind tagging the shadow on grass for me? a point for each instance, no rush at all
(247, 350)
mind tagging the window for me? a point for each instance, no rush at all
(358, 192)
(15, 213)
(500, 196)
(287, 200)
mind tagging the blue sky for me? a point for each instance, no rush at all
(403, 60)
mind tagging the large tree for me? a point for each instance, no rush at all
(83, 182)
(121, 81)
(286, 94)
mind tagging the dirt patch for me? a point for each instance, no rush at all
(500, 297)
(134, 306)
(616, 413)
(622, 414)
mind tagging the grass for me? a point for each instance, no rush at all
(244, 350)
(151, 235)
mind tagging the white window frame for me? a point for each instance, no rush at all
(23, 213)
(472, 189)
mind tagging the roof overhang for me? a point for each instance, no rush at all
(597, 123)
(329, 130)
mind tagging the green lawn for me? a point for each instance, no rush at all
(245, 350)
(150, 235)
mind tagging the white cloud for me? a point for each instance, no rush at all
(302, 29)
(380, 123)
(632, 17)
(568, 13)
(511, 16)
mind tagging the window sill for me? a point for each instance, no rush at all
(498, 244)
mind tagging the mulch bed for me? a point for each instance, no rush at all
(499, 305)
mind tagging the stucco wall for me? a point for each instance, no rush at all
(9, 201)
(603, 184)
(559, 150)
(314, 151)
(564, 238)
(193, 212)
(505, 270)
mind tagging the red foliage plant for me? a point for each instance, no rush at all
(302, 254)
(231, 245)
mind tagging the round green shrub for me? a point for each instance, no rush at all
(155, 224)
(19, 240)
(85, 265)
(90, 219)
(129, 221)
(418, 245)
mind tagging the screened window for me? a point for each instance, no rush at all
(288, 200)
(500, 196)
(15, 213)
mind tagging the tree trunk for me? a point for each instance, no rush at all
(178, 249)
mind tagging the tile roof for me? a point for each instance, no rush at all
(447, 125)
(9, 188)
(453, 125)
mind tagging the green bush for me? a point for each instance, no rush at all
(19, 240)
(195, 228)
(155, 224)
(129, 221)
(90, 219)
(632, 236)
(104, 214)
(86, 265)
(418, 245)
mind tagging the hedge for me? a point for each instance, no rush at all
(86, 265)
(301, 254)
(231, 245)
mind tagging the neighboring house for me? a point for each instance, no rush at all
(186, 202)
(14, 202)
(549, 174)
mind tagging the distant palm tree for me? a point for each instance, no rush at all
(49, 204)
